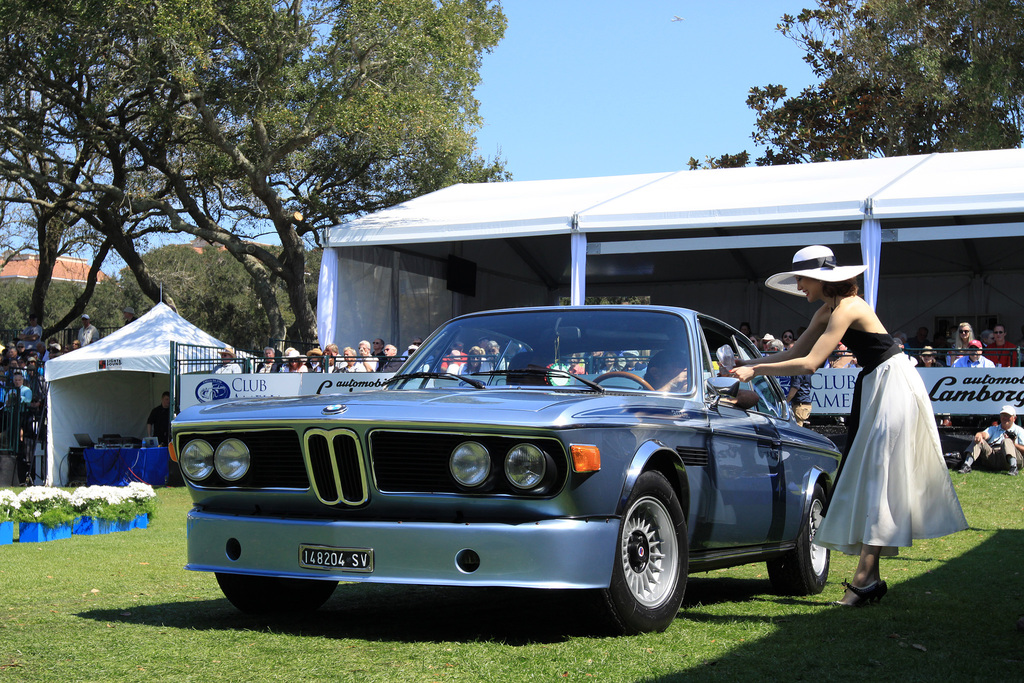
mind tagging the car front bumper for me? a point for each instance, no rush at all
(556, 553)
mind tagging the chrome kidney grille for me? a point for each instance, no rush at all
(335, 466)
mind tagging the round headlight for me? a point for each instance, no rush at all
(196, 459)
(231, 459)
(470, 463)
(525, 466)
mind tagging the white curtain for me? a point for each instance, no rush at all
(326, 298)
(871, 253)
(424, 303)
(578, 274)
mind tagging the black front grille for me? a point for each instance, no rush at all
(276, 459)
(417, 462)
(337, 468)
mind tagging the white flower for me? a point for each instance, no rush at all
(37, 513)
(40, 494)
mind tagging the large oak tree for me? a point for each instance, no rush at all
(241, 122)
(898, 77)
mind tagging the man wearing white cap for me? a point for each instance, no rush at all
(88, 334)
(1000, 447)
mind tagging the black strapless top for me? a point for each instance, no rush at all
(871, 348)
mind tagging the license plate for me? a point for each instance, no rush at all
(345, 559)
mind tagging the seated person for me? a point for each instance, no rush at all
(1000, 447)
(669, 371)
(928, 359)
(528, 360)
(841, 358)
(973, 359)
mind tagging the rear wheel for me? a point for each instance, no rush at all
(649, 576)
(272, 595)
(804, 569)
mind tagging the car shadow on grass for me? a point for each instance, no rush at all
(962, 595)
(399, 613)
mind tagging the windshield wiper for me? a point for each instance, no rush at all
(544, 372)
(475, 383)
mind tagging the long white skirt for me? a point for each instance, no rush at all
(894, 485)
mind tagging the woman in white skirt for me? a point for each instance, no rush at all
(892, 485)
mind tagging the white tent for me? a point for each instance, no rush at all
(110, 386)
(700, 238)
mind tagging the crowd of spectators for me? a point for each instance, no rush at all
(990, 348)
(366, 356)
(26, 355)
(380, 356)
(23, 393)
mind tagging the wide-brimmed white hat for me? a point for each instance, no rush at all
(817, 262)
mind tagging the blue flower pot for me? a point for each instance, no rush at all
(34, 532)
(141, 521)
(120, 525)
(91, 526)
(6, 533)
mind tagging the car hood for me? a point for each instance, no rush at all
(497, 406)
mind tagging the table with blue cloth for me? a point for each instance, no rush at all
(121, 466)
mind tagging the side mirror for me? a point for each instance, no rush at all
(722, 387)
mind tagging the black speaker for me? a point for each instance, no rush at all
(77, 473)
(461, 276)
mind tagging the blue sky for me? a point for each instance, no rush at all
(582, 88)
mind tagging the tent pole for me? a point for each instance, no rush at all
(578, 276)
(871, 252)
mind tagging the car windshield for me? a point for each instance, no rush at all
(620, 348)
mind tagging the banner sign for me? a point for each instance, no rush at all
(204, 388)
(953, 391)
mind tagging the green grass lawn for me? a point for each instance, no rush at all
(120, 608)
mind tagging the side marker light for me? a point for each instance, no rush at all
(585, 458)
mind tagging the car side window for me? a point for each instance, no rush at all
(769, 395)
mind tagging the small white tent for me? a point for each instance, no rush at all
(110, 386)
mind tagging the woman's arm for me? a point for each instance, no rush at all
(836, 324)
(801, 347)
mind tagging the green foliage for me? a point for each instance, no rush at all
(15, 304)
(738, 160)
(233, 120)
(898, 78)
(211, 290)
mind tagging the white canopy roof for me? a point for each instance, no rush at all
(141, 346)
(962, 183)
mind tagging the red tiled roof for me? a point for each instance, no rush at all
(66, 269)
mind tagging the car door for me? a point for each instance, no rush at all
(744, 464)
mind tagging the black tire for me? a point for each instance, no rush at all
(804, 569)
(651, 559)
(274, 595)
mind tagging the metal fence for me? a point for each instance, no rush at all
(65, 337)
(10, 426)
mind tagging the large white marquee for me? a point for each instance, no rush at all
(935, 227)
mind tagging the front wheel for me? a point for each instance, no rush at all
(804, 569)
(651, 559)
(274, 595)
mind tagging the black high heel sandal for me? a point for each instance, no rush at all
(865, 595)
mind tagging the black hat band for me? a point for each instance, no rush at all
(828, 262)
